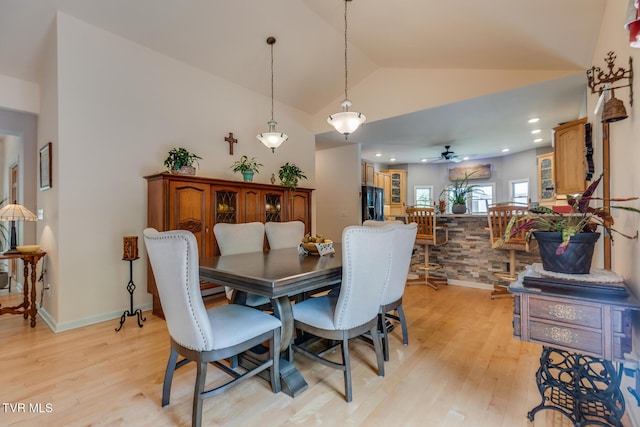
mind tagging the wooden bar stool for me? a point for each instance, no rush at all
(498, 216)
(429, 235)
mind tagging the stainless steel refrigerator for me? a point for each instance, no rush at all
(372, 203)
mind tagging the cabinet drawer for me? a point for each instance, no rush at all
(569, 313)
(565, 336)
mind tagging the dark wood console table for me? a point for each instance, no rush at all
(28, 306)
(582, 334)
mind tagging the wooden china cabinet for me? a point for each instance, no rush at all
(194, 203)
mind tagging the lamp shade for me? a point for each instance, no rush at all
(272, 139)
(15, 212)
(346, 122)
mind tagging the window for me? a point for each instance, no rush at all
(483, 195)
(423, 196)
(519, 191)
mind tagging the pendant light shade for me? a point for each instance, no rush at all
(346, 122)
(272, 139)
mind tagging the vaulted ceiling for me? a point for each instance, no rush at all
(227, 38)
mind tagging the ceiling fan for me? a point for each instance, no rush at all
(447, 155)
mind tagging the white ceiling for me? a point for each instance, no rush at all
(227, 38)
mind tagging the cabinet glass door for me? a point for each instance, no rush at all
(395, 188)
(226, 206)
(272, 207)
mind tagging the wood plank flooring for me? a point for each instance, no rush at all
(461, 368)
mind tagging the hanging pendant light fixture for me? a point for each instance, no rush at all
(346, 122)
(272, 139)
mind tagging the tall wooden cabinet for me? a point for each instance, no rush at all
(184, 202)
(570, 157)
(398, 198)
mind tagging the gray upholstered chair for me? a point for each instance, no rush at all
(238, 239)
(200, 335)
(403, 241)
(366, 265)
(284, 234)
(372, 223)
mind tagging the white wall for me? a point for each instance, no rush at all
(625, 152)
(119, 108)
(338, 192)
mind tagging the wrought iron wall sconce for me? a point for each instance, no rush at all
(601, 80)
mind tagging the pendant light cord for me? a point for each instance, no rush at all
(346, 72)
(272, 80)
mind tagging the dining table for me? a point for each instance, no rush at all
(280, 275)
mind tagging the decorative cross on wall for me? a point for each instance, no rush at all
(231, 140)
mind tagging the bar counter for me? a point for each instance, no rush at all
(468, 256)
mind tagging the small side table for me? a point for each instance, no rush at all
(27, 307)
(582, 333)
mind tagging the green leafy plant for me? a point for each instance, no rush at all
(290, 174)
(179, 157)
(460, 190)
(582, 218)
(246, 165)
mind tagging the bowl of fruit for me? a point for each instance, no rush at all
(316, 245)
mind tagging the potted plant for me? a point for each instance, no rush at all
(247, 166)
(567, 239)
(290, 174)
(458, 193)
(180, 160)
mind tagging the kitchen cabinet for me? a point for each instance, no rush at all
(383, 180)
(569, 157)
(546, 180)
(368, 172)
(186, 202)
(398, 197)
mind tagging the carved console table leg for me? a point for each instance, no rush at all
(583, 388)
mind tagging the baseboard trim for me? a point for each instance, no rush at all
(74, 324)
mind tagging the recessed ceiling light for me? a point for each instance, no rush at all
(504, 150)
(536, 131)
(423, 160)
(534, 120)
(378, 154)
(537, 140)
(393, 159)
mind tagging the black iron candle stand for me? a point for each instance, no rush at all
(131, 287)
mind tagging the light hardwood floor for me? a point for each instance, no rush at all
(461, 368)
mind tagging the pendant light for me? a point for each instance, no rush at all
(346, 122)
(272, 139)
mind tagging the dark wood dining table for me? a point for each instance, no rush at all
(279, 275)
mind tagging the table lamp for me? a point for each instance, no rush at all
(15, 212)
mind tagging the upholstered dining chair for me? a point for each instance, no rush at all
(200, 335)
(366, 265)
(403, 241)
(372, 223)
(429, 235)
(238, 239)
(498, 217)
(287, 234)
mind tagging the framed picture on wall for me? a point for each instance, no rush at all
(45, 167)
